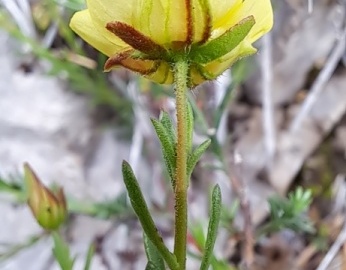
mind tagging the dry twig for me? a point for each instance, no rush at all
(268, 107)
(21, 13)
(142, 126)
(241, 192)
(333, 250)
(310, 6)
(220, 91)
(320, 82)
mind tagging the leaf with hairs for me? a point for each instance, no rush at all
(212, 228)
(141, 209)
(195, 156)
(153, 255)
(168, 148)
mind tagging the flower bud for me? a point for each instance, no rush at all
(49, 209)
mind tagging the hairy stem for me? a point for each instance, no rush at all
(181, 70)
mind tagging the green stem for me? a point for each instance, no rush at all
(181, 70)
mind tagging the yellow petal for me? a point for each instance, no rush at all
(220, 9)
(105, 11)
(81, 23)
(163, 75)
(163, 20)
(240, 9)
(167, 21)
(202, 20)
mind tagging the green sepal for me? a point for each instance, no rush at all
(189, 120)
(154, 257)
(166, 121)
(136, 39)
(208, 76)
(141, 209)
(212, 228)
(61, 252)
(224, 44)
(195, 156)
(168, 148)
(139, 55)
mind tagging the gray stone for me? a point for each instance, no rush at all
(300, 42)
(49, 127)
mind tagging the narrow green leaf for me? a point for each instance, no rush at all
(151, 266)
(61, 252)
(90, 254)
(14, 188)
(168, 149)
(212, 228)
(153, 255)
(5, 186)
(13, 250)
(141, 209)
(201, 122)
(224, 44)
(189, 120)
(221, 109)
(166, 121)
(195, 156)
(198, 235)
(221, 265)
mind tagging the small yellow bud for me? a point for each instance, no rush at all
(48, 208)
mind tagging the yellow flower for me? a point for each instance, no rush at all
(49, 209)
(146, 36)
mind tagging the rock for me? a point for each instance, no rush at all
(44, 124)
(38, 124)
(297, 46)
